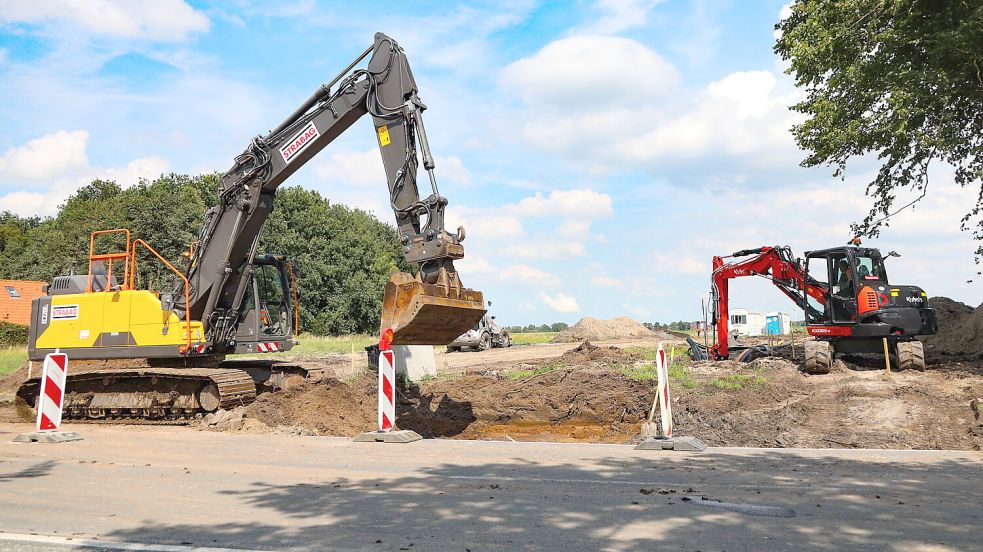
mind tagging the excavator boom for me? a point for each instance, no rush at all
(433, 311)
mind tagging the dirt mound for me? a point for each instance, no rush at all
(560, 405)
(587, 352)
(329, 407)
(589, 328)
(960, 328)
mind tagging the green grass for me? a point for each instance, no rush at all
(738, 381)
(679, 373)
(314, 345)
(539, 370)
(11, 359)
(533, 337)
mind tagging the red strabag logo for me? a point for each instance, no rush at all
(299, 142)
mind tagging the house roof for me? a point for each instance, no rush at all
(15, 300)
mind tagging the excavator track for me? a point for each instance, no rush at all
(149, 393)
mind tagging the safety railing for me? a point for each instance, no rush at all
(293, 289)
(109, 259)
(187, 297)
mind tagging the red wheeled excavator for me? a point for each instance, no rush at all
(229, 298)
(849, 305)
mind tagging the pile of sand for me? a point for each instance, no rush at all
(960, 328)
(600, 330)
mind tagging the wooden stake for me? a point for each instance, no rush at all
(793, 345)
(353, 357)
(672, 354)
(887, 358)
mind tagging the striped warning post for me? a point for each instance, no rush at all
(387, 383)
(665, 404)
(52, 395)
(387, 391)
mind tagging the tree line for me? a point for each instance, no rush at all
(345, 255)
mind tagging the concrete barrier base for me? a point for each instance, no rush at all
(691, 444)
(415, 361)
(401, 436)
(48, 437)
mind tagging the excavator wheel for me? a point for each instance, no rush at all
(818, 357)
(911, 356)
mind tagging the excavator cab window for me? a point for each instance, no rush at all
(818, 269)
(274, 307)
(870, 269)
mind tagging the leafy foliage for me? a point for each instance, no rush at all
(901, 79)
(12, 334)
(345, 255)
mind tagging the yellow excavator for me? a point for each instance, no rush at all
(162, 355)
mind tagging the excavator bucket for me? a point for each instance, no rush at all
(428, 314)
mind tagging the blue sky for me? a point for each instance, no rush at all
(598, 152)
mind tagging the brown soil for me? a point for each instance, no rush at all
(960, 329)
(586, 394)
(614, 329)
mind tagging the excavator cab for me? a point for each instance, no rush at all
(860, 307)
(267, 315)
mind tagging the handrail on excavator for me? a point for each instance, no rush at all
(109, 258)
(187, 302)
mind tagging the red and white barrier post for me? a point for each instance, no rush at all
(51, 395)
(665, 439)
(387, 384)
(51, 402)
(387, 432)
(665, 405)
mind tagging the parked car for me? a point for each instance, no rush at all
(485, 335)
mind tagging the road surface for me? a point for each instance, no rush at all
(130, 487)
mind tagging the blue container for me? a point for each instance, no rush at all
(773, 325)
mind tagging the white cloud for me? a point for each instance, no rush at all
(47, 157)
(680, 264)
(361, 169)
(364, 169)
(546, 248)
(162, 20)
(574, 228)
(605, 281)
(57, 165)
(530, 274)
(740, 122)
(595, 71)
(566, 203)
(615, 16)
(451, 169)
(560, 303)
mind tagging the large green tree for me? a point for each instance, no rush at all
(345, 255)
(899, 79)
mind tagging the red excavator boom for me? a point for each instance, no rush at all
(774, 263)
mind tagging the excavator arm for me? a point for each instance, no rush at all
(431, 308)
(774, 263)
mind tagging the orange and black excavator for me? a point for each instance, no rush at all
(849, 305)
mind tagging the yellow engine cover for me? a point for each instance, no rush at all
(129, 318)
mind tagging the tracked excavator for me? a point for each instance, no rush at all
(161, 355)
(849, 305)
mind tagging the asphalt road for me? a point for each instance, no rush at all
(176, 489)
